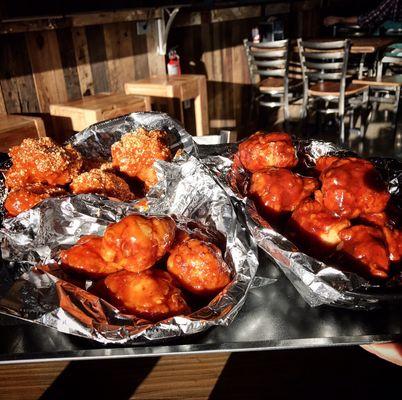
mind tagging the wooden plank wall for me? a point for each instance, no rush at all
(51, 66)
(40, 65)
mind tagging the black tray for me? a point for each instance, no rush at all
(274, 317)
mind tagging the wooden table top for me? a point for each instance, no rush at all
(361, 45)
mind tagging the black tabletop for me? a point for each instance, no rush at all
(274, 316)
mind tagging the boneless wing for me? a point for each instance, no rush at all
(102, 182)
(84, 258)
(279, 191)
(24, 198)
(314, 226)
(264, 150)
(42, 161)
(136, 153)
(198, 267)
(351, 186)
(366, 250)
(136, 242)
(149, 294)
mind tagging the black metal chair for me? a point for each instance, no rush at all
(324, 69)
(269, 72)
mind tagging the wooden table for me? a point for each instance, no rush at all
(367, 45)
(77, 115)
(15, 128)
(359, 45)
(183, 87)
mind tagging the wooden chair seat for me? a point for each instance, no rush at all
(273, 84)
(393, 80)
(332, 89)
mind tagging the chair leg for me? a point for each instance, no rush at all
(303, 111)
(286, 109)
(396, 109)
(365, 114)
(342, 129)
(341, 114)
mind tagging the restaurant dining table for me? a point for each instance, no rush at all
(361, 46)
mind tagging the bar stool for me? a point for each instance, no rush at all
(182, 87)
(77, 115)
(15, 128)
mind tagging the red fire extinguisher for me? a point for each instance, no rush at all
(173, 66)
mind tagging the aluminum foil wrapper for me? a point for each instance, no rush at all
(317, 282)
(186, 191)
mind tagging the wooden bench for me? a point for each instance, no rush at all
(15, 128)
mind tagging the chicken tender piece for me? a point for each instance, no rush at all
(325, 162)
(198, 267)
(103, 183)
(148, 294)
(85, 258)
(264, 150)
(393, 237)
(278, 191)
(136, 243)
(23, 199)
(312, 225)
(42, 161)
(365, 248)
(136, 153)
(351, 186)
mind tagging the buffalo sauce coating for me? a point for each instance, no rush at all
(317, 226)
(265, 150)
(278, 190)
(42, 161)
(102, 182)
(136, 153)
(352, 186)
(148, 294)
(23, 199)
(136, 243)
(198, 267)
(366, 248)
(393, 237)
(85, 258)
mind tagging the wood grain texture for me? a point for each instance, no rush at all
(15, 128)
(156, 62)
(47, 70)
(69, 64)
(119, 53)
(140, 52)
(97, 54)
(170, 377)
(18, 88)
(83, 62)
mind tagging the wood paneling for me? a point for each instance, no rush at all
(39, 68)
(83, 62)
(44, 54)
(55, 61)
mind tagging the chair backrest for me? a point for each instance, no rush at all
(267, 59)
(324, 61)
(392, 57)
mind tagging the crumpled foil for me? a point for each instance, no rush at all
(317, 282)
(186, 191)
